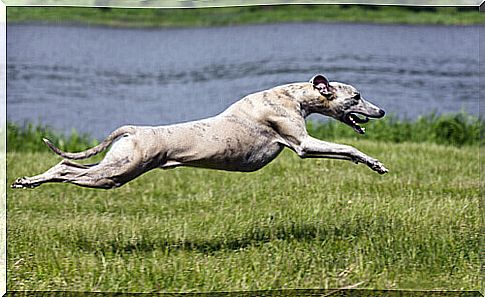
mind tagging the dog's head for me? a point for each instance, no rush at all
(344, 103)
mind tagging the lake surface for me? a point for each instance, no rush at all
(95, 79)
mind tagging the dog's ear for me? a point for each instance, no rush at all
(321, 83)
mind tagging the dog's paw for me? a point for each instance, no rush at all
(18, 183)
(379, 168)
(383, 170)
(23, 183)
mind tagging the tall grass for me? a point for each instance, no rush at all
(28, 138)
(455, 129)
(451, 129)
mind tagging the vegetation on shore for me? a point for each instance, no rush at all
(143, 17)
(450, 129)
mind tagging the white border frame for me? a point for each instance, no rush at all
(146, 4)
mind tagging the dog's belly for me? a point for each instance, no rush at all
(248, 160)
(228, 157)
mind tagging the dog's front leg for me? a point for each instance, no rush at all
(314, 148)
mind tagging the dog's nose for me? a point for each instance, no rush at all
(381, 113)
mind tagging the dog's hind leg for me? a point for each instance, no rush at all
(65, 171)
(120, 165)
(103, 176)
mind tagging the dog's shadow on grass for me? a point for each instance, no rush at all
(257, 236)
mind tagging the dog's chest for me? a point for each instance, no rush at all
(258, 156)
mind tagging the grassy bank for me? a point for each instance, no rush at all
(246, 15)
(450, 129)
(294, 224)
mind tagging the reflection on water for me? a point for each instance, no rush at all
(95, 79)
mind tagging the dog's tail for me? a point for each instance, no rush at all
(94, 150)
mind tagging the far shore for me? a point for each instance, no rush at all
(226, 16)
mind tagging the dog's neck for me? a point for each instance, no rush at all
(308, 98)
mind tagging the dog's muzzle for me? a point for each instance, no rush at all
(353, 119)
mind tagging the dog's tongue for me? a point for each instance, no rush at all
(359, 129)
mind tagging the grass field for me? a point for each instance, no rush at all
(294, 224)
(120, 17)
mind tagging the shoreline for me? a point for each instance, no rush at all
(182, 27)
(153, 18)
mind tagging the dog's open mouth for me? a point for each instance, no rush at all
(353, 119)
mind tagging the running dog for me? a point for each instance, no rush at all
(245, 137)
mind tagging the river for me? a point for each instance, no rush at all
(94, 79)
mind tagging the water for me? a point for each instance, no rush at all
(95, 79)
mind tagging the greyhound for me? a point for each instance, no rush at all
(245, 137)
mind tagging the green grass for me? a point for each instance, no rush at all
(294, 224)
(139, 17)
